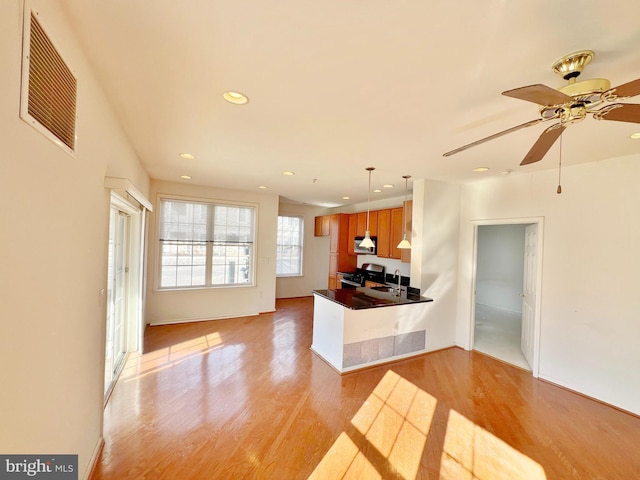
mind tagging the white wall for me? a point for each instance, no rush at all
(53, 243)
(590, 281)
(224, 302)
(500, 266)
(434, 256)
(315, 261)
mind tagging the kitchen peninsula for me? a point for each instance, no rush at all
(355, 328)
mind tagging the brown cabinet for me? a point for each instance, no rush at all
(397, 229)
(322, 226)
(353, 228)
(384, 233)
(373, 222)
(390, 228)
(339, 258)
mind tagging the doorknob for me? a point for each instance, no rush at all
(522, 295)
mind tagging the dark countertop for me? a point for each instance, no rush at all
(362, 297)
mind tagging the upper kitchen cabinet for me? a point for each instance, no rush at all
(390, 229)
(384, 233)
(397, 230)
(322, 226)
(358, 226)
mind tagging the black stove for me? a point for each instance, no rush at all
(368, 271)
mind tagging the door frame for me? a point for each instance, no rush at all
(134, 288)
(540, 242)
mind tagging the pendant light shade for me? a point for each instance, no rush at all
(366, 241)
(404, 244)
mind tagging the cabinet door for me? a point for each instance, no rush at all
(397, 229)
(317, 230)
(334, 233)
(353, 226)
(362, 223)
(384, 233)
(373, 223)
(333, 270)
(321, 228)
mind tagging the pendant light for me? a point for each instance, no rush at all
(367, 242)
(404, 244)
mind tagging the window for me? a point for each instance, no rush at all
(205, 244)
(289, 255)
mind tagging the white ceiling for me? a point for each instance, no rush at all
(336, 86)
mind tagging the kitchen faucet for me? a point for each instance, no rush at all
(397, 274)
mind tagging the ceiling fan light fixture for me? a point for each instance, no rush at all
(570, 66)
(236, 98)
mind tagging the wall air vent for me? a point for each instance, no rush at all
(48, 97)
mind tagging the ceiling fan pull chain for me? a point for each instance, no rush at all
(559, 190)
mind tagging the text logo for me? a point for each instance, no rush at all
(50, 467)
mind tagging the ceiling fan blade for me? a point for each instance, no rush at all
(630, 89)
(491, 137)
(543, 144)
(621, 112)
(540, 94)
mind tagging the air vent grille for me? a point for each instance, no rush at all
(52, 87)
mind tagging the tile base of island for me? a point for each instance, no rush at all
(362, 327)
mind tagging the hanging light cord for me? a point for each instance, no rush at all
(369, 197)
(559, 189)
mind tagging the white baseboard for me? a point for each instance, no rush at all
(205, 319)
(94, 458)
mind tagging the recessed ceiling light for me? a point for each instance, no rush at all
(481, 169)
(345, 198)
(187, 156)
(388, 185)
(236, 98)
(288, 174)
(377, 190)
(635, 135)
(262, 187)
(186, 177)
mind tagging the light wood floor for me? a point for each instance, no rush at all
(246, 398)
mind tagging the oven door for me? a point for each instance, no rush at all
(346, 283)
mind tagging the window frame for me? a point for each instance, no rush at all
(300, 245)
(210, 243)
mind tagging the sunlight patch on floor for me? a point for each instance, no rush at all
(470, 452)
(394, 422)
(138, 366)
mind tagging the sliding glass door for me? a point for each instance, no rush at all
(116, 295)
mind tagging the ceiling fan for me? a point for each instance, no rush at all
(569, 104)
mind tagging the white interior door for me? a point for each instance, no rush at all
(116, 295)
(529, 292)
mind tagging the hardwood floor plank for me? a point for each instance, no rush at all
(246, 398)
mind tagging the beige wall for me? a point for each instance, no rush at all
(434, 256)
(315, 262)
(212, 303)
(589, 300)
(53, 239)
